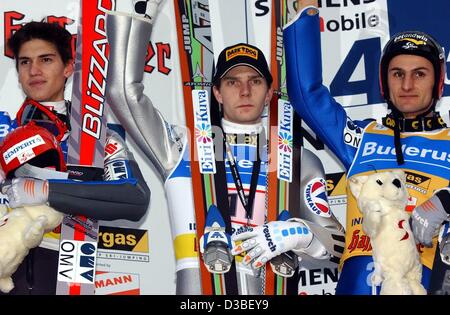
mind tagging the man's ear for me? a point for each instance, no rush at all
(269, 95)
(356, 183)
(217, 94)
(69, 68)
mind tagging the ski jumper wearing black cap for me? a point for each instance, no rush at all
(165, 145)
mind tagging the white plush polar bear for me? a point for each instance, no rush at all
(20, 230)
(382, 198)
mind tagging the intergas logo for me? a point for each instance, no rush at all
(124, 239)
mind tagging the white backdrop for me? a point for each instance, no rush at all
(352, 37)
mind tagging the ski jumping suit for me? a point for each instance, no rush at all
(166, 146)
(362, 147)
(122, 194)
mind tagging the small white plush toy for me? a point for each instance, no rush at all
(382, 198)
(20, 230)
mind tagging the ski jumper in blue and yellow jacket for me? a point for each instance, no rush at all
(362, 147)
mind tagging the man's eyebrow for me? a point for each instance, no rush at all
(227, 77)
(414, 69)
(40, 56)
(236, 78)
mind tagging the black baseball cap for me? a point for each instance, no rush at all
(242, 55)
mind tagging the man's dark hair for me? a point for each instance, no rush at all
(50, 32)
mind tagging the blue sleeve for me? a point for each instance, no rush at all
(6, 124)
(310, 98)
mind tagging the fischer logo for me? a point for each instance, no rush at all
(23, 148)
(371, 148)
(346, 23)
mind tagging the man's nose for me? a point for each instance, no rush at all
(245, 88)
(35, 68)
(407, 83)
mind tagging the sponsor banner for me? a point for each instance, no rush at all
(317, 277)
(285, 140)
(76, 261)
(117, 283)
(203, 133)
(123, 239)
(120, 251)
(23, 150)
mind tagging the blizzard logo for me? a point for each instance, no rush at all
(92, 56)
(371, 148)
(270, 243)
(203, 133)
(285, 118)
(25, 145)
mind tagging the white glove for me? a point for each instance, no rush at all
(24, 191)
(264, 242)
(146, 8)
(427, 218)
